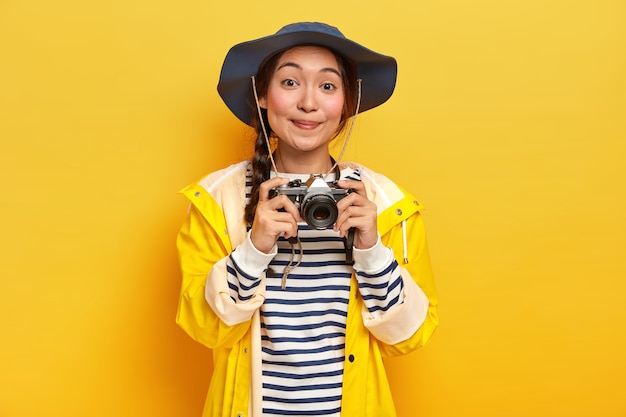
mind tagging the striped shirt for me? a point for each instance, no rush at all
(303, 326)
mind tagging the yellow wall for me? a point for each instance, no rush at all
(510, 120)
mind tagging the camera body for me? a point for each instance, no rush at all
(315, 200)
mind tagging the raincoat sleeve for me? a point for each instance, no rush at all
(205, 295)
(408, 325)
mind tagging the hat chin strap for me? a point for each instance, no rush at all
(267, 140)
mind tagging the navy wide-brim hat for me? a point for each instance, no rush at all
(378, 72)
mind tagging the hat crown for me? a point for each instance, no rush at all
(311, 27)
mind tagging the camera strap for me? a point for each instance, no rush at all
(348, 243)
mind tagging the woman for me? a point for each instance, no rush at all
(299, 272)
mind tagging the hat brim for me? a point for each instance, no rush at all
(378, 72)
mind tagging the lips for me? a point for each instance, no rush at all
(305, 124)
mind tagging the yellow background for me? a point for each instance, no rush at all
(507, 122)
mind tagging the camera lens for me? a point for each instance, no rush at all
(319, 211)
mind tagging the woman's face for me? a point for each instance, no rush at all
(305, 99)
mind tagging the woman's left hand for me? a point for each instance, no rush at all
(356, 210)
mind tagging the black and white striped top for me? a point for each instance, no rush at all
(303, 326)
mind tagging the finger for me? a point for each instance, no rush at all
(355, 199)
(356, 186)
(281, 222)
(266, 186)
(349, 217)
(359, 216)
(282, 202)
(292, 230)
(366, 230)
(265, 232)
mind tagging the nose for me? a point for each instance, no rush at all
(308, 100)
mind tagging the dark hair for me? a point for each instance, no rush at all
(261, 164)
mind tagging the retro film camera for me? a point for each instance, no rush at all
(315, 199)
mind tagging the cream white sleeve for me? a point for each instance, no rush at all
(235, 287)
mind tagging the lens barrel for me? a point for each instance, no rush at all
(319, 211)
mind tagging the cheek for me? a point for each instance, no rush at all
(276, 101)
(335, 108)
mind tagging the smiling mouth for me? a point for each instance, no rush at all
(306, 125)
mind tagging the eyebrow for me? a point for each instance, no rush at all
(297, 66)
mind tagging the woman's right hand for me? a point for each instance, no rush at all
(273, 216)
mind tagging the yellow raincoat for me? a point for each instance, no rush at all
(215, 226)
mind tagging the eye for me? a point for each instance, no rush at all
(290, 83)
(328, 86)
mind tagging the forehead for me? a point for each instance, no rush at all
(310, 55)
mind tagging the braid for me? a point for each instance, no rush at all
(260, 173)
(260, 161)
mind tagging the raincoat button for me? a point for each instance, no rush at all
(245, 350)
(399, 212)
(197, 194)
(351, 358)
(416, 203)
